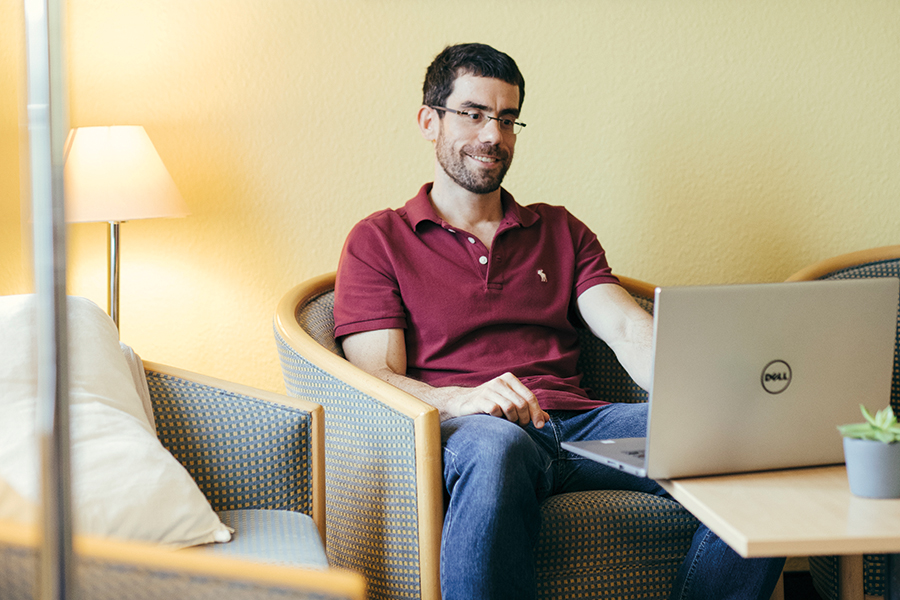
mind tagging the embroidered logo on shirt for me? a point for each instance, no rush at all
(542, 275)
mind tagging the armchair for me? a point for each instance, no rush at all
(384, 485)
(256, 456)
(258, 459)
(832, 574)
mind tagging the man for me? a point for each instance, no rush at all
(469, 301)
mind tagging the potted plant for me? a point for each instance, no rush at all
(872, 454)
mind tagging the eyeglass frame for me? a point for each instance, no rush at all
(489, 118)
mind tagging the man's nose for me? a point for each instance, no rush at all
(491, 130)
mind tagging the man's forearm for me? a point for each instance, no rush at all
(613, 316)
(635, 352)
(504, 396)
(635, 359)
(382, 353)
(437, 397)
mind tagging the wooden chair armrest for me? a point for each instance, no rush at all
(824, 267)
(108, 569)
(383, 452)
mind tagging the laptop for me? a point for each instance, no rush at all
(757, 377)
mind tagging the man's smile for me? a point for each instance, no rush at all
(491, 157)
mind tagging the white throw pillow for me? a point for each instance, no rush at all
(125, 484)
(139, 378)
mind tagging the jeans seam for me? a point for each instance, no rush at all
(552, 422)
(695, 560)
(453, 454)
(554, 460)
(448, 517)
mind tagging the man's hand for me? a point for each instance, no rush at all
(504, 396)
(382, 353)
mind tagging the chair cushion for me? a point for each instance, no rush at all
(611, 543)
(278, 537)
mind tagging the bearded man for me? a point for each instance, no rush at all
(470, 301)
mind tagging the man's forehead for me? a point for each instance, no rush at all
(488, 91)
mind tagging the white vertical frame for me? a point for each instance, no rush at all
(48, 127)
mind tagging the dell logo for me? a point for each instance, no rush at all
(776, 377)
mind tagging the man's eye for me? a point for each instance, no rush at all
(507, 122)
(475, 116)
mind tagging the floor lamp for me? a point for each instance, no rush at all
(114, 174)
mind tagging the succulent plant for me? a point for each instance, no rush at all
(883, 427)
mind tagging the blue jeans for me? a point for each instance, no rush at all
(497, 474)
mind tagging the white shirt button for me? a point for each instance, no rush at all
(451, 230)
(483, 260)
(471, 240)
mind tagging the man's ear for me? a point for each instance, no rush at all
(429, 123)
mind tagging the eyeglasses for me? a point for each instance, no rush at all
(476, 120)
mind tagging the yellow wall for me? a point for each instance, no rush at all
(14, 264)
(705, 141)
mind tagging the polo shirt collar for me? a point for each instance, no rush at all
(419, 209)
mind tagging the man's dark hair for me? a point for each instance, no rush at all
(468, 59)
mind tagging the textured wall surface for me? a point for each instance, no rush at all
(704, 141)
(14, 264)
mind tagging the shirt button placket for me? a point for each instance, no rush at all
(479, 253)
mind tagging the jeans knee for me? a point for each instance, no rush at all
(491, 450)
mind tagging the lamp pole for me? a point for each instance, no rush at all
(112, 260)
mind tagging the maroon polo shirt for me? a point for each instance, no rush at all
(471, 313)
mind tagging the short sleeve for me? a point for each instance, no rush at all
(591, 266)
(367, 295)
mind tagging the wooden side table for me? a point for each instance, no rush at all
(797, 512)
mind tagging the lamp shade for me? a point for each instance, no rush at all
(114, 174)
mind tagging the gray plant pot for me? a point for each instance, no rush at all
(873, 468)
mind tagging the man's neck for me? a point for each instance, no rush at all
(475, 213)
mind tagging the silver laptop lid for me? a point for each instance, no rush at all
(753, 377)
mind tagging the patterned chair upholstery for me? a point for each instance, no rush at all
(383, 477)
(830, 572)
(219, 431)
(258, 458)
(113, 570)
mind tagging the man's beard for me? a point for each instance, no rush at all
(477, 182)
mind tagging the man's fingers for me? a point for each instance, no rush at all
(525, 407)
(506, 397)
(539, 417)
